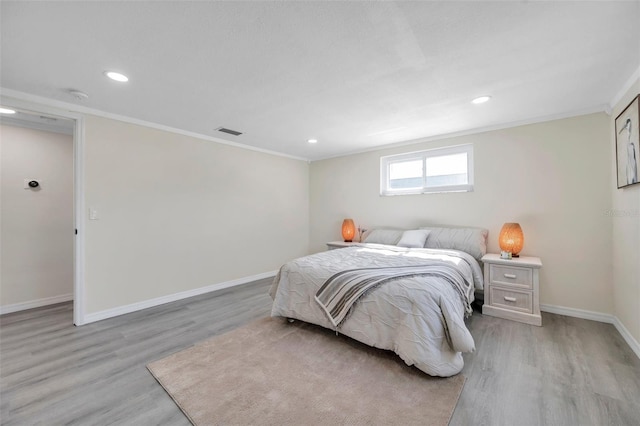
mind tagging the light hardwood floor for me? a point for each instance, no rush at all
(569, 372)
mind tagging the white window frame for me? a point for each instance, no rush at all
(385, 163)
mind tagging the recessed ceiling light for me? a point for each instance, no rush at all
(481, 100)
(116, 76)
(6, 111)
(312, 140)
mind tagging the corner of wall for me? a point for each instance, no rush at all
(625, 229)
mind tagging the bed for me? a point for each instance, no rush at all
(419, 314)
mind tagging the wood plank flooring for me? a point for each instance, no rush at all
(569, 372)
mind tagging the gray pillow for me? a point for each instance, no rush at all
(384, 236)
(469, 240)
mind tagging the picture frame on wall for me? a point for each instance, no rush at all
(628, 144)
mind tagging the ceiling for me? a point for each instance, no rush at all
(354, 75)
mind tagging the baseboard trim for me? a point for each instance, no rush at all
(578, 313)
(626, 335)
(38, 303)
(596, 316)
(138, 306)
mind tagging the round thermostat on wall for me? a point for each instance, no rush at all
(32, 184)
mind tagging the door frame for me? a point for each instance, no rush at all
(79, 218)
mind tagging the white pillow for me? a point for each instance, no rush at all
(414, 238)
(384, 236)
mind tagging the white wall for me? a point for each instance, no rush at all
(554, 178)
(178, 213)
(625, 222)
(36, 226)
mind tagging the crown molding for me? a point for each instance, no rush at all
(39, 100)
(36, 126)
(542, 119)
(606, 108)
(623, 91)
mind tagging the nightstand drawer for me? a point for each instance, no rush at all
(511, 276)
(521, 301)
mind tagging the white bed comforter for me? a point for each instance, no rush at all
(419, 318)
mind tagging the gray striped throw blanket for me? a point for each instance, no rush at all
(338, 294)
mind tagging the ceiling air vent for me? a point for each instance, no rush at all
(231, 132)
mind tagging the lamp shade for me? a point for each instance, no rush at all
(511, 238)
(348, 230)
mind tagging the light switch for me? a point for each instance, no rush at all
(93, 214)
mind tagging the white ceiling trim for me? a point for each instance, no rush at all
(7, 94)
(596, 109)
(618, 97)
(10, 121)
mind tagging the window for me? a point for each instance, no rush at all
(447, 169)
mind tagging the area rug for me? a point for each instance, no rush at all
(272, 372)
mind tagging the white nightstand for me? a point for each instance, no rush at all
(338, 244)
(512, 288)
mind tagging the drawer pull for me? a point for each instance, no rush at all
(510, 275)
(510, 299)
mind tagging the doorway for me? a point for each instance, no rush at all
(38, 221)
